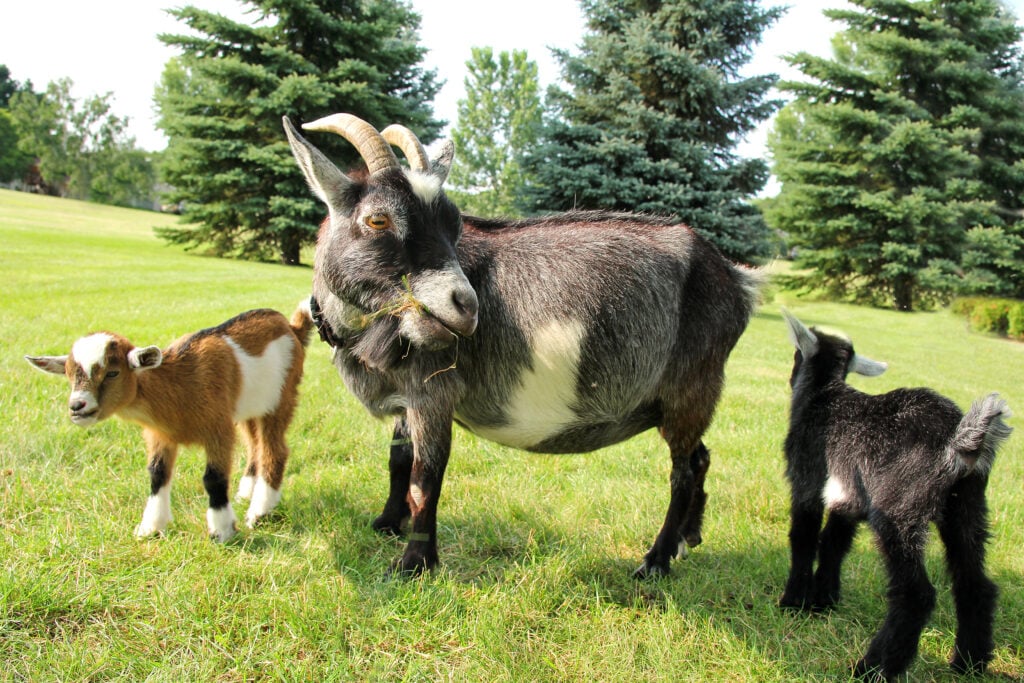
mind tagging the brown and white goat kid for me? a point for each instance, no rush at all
(246, 370)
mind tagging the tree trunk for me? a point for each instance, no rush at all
(903, 291)
(290, 245)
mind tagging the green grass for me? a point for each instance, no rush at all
(536, 551)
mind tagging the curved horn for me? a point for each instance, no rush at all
(406, 140)
(368, 142)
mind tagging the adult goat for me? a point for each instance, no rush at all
(555, 335)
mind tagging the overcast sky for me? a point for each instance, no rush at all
(112, 46)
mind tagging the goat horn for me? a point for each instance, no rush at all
(406, 140)
(368, 142)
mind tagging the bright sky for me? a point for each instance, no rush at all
(112, 46)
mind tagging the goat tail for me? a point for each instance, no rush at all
(981, 431)
(302, 322)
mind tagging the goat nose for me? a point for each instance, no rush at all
(76, 405)
(467, 305)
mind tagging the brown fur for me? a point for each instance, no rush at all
(191, 396)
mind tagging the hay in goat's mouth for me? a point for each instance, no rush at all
(405, 301)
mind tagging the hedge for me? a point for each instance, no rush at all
(1004, 317)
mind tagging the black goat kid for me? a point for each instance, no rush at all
(560, 335)
(898, 460)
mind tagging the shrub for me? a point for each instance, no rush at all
(1004, 317)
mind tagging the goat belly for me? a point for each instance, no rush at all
(544, 411)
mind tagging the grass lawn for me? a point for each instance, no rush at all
(536, 550)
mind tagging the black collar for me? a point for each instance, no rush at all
(322, 326)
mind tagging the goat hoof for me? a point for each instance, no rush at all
(650, 571)
(968, 666)
(409, 569)
(869, 672)
(148, 531)
(387, 526)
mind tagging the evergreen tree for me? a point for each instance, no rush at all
(656, 109)
(498, 121)
(222, 100)
(912, 134)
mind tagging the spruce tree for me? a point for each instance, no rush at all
(908, 137)
(656, 108)
(222, 100)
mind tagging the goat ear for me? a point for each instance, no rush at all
(145, 358)
(327, 182)
(52, 364)
(802, 338)
(441, 164)
(867, 367)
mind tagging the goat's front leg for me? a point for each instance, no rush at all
(162, 454)
(431, 431)
(220, 518)
(396, 508)
(805, 524)
(836, 539)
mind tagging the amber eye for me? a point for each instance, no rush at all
(379, 221)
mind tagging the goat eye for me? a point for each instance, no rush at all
(112, 374)
(379, 221)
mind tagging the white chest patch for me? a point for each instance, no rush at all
(263, 377)
(834, 494)
(91, 352)
(541, 404)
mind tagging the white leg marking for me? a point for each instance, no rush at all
(683, 550)
(245, 487)
(834, 494)
(221, 523)
(157, 514)
(417, 495)
(264, 499)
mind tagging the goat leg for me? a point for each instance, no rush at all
(431, 441)
(396, 508)
(805, 524)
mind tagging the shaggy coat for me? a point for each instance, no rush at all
(557, 335)
(898, 461)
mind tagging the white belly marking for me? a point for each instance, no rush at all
(541, 405)
(263, 377)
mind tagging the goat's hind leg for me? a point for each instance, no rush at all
(685, 513)
(911, 601)
(220, 518)
(804, 528)
(396, 509)
(272, 457)
(963, 528)
(700, 462)
(245, 484)
(833, 546)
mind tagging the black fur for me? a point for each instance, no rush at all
(898, 461)
(651, 308)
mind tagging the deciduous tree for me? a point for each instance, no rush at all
(498, 121)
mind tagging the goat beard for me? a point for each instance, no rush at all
(379, 346)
